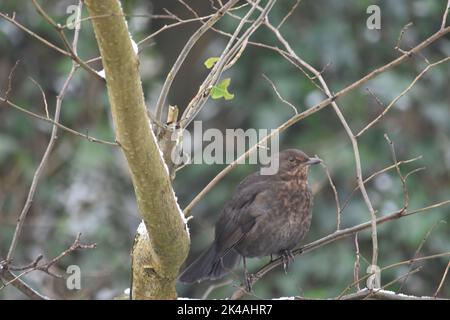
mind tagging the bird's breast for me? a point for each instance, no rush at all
(294, 197)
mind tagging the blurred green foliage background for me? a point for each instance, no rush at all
(86, 188)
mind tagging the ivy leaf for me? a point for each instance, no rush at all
(210, 62)
(221, 90)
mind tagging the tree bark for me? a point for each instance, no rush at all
(157, 254)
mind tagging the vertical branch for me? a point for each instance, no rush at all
(357, 265)
(45, 157)
(444, 17)
(336, 197)
(184, 53)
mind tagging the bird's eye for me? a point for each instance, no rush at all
(291, 159)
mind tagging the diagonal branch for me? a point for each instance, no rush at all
(56, 123)
(183, 54)
(394, 101)
(339, 234)
(314, 109)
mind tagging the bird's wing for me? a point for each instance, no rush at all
(241, 211)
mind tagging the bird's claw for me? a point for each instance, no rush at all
(287, 257)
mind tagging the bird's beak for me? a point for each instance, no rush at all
(313, 160)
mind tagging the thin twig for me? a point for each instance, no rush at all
(22, 286)
(294, 108)
(34, 35)
(419, 248)
(356, 266)
(70, 48)
(347, 200)
(394, 101)
(44, 99)
(76, 245)
(179, 23)
(297, 2)
(377, 100)
(45, 267)
(213, 287)
(399, 172)
(10, 77)
(442, 281)
(59, 125)
(336, 196)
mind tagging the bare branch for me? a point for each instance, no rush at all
(394, 101)
(336, 196)
(22, 286)
(419, 248)
(44, 98)
(347, 200)
(183, 54)
(76, 245)
(399, 172)
(297, 2)
(442, 280)
(10, 78)
(294, 108)
(45, 157)
(70, 48)
(444, 17)
(34, 35)
(356, 266)
(232, 48)
(36, 266)
(59, 125)
(342, 234)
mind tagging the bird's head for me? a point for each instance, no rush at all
(294, 162)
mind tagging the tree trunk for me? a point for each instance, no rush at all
(158, 254)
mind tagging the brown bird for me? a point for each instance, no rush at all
(267, 215)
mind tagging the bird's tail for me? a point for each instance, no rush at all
(210, 266)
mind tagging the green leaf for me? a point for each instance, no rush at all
(221, 90)
(210, 62)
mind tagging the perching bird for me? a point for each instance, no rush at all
(267, 215)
